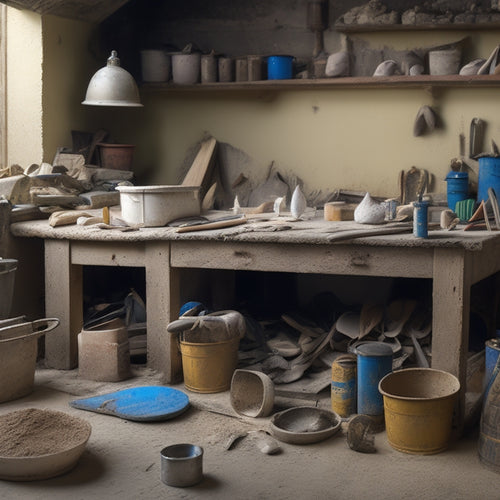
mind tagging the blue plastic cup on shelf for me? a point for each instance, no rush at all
(279, 67)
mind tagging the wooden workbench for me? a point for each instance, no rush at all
(454, 260)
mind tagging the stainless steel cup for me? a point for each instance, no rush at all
(181, 465)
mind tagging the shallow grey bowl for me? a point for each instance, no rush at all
(182, 465)
(304, 425)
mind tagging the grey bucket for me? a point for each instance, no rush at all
(7, 277)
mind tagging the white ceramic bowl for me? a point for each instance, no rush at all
(155, 206)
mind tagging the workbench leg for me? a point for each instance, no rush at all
(450, 318)
(162, 307)
(63, 300)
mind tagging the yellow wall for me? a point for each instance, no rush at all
(24, 88)
(350, 139)
(332, 139)
(67, 69)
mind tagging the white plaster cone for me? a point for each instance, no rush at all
(369, 211)
(298, 204)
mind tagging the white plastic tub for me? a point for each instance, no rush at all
(154, 206)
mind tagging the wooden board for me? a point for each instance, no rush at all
(199, 172)
(339, 210)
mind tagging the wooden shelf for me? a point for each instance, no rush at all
(357, 82)
(365, 28)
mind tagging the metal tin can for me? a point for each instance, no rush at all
(344, 385)
(420, 215)
(374, 362)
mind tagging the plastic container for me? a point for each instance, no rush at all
(457, 188)
(279, 67)
(181, 465)
(155, 206)
(489, 176)
(104, 353)
(186, 68)
(18, 353)
(374, 362)
(155, 65)
(209, 367)
(418, 405)
(8, 269)
(445, 62)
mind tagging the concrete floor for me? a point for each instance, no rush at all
(122, 458)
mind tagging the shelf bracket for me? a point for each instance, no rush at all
(433, 91)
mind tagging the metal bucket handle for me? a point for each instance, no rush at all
(37, 327)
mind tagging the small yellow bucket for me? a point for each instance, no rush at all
(209, 367)
(418, 406)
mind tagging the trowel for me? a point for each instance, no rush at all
(477, 127)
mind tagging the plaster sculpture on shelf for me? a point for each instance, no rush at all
(386, 68)
(491, 63)
(337, 64)
(416, 69)
(412, 63)
(472, 67)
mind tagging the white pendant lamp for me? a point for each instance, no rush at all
(112, 86)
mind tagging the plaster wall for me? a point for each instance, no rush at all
(67, 68)
(349, 139)
(331, 139)
(24, 87)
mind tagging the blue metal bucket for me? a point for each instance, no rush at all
(279, 67)
(489, 176)
(457, 188)
(374, 363)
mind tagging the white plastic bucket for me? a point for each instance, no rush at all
(155, 206)
(155, 66)
(186, 68)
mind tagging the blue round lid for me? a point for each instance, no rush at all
(374, 349)
(457, 175)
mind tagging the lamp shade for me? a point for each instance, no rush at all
(112, 86)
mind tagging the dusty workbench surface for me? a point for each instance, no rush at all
(271, 229)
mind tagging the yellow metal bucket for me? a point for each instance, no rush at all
(209, 367)
(418, 406)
